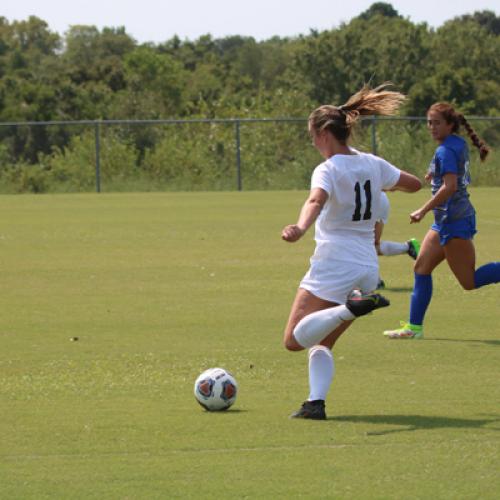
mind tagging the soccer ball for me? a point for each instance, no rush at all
(215, 389)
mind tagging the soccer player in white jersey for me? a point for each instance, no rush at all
(390, 248)
(343, 202)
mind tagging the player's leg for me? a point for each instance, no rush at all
(379, 229)
(321, 374)
(431, 253)
(312, 319)
(365, 281)
(312, 328)
(430, 256)
(461, 257)
(321, 363)
(317, 323)
(390, 248)
(304, 304)
(487, 274)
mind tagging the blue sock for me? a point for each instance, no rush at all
(487, 274)
(420, 298)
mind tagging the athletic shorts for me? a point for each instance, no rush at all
(464, 229)
(333, 280)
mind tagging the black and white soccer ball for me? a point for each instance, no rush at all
(215, 389)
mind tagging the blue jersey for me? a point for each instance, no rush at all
(452, 157)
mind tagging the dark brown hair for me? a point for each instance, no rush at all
(367, 101)
(449, 114)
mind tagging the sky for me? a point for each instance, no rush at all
(158, 21)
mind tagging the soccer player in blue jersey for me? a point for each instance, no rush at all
(389, 248)
(450, 237)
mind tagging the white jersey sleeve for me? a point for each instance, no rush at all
(321, 178)
(390, 174)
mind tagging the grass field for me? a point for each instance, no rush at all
(158, 287)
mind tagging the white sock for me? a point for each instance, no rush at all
(321, 372)
(393, 248)
(314, 327)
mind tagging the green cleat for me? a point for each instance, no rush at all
(413, 248)
(407, 331)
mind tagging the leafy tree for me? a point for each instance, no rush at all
(155, 89)
(149, 73)
(97, 56)
(465, 59)
(379, 9)
(338, 62)
(444, 84)
(29, 79)
(485, 18)
(466, 44)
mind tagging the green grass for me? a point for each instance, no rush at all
(158, 287)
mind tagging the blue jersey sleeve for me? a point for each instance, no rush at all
(447, 160)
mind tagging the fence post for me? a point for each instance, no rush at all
(374, 134)
(238, 155)
(97, 157)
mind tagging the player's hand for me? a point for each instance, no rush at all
(292, 233)
(417, 216)
(428, 177)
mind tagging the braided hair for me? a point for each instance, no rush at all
(340, 120)
(456, 119)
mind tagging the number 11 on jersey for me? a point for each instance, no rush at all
(368, 195)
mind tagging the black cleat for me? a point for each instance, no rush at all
(380, 284)
(314, 410)
(364, 304)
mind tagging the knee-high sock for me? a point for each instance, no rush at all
(393, 248)
(321, 372)
(314, 327)
(487, 274)
(420, 298)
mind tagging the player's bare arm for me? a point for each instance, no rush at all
(308, 214)
(445, 191)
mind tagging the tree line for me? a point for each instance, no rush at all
(91, 74)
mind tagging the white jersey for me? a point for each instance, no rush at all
(383, 215)
(345, 227)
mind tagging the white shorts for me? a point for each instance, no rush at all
(333, 280)
(383, 214)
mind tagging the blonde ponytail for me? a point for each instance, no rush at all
(367, 101)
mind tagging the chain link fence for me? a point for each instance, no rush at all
(204, 154)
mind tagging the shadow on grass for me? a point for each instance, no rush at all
(476, 341)
(229, 411)
(416, 422)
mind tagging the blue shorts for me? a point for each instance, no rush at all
(464, 229)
